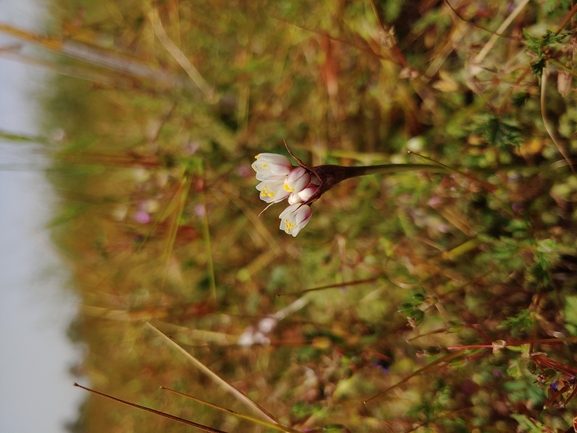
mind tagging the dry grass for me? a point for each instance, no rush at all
(463, 316)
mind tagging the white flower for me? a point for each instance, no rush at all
(272, 190)
(297, 180)
(279, 180)
(267, 325)
(271, 165)
(251, 337)
(304, 195)
(294, 218)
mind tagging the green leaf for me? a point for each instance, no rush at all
(302, 409)
(528, 425)
(406, 308)
(418, 298)
(549, 39)
(519, 323)
(514, 370)
(417, 316)
(498, 132)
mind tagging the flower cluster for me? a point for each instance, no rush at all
(305, 184)
(279, 181)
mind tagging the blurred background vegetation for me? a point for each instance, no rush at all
(451, 302)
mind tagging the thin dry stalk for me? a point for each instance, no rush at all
(180, 57)
(257, 409)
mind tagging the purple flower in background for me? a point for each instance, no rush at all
(200, 210)
(382, 364)
(142, 217)
(243, 170)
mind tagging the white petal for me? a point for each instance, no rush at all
(297, 179)
(294, 198)
(271, 164)
(272, 191)
(273, 158)
(307, 192)
(294, 218)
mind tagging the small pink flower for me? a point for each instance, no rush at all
(243, 170)
(294, 218)
(200, 210)
(142, 217)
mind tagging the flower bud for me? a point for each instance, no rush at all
(297, 180)
(304, 195)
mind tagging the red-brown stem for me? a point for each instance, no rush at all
(156, 412)
(329, 175)
(555, 365)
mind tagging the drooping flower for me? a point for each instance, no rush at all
(294, 218)
(272, 189)
(305, 184)
(272, 170)
(271, 165)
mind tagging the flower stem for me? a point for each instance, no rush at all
(397, 168)
(329, 175)
(392, 168)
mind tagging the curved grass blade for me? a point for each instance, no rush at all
(179, 56)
